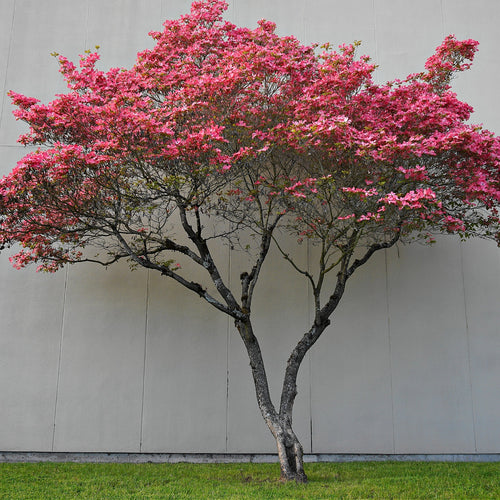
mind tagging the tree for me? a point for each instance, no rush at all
(226, 133)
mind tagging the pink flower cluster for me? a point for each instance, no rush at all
(412, 199)
(214, 104)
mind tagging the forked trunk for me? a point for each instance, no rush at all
(290, 451)
(291, 457)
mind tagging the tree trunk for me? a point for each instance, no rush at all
(289, 447)
(290, 451)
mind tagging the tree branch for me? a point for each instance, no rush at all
(190, 285)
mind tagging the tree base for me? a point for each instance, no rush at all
(298, 478)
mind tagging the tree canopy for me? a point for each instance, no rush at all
(221, 130)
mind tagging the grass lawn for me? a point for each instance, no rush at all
(384, 480)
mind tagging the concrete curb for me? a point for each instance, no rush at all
(203, 458)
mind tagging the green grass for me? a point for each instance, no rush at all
(383, 480)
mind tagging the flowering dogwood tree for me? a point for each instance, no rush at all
(219, 132)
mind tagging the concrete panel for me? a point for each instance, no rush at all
(288, 16)
(280, 317)
(431, 379)
(478, 20)
(31, 308)
(351, 370)
(100, 389)
(38, 30)
(341, 22)
(407, 32)
(173, 10)
(121, 27)
(482, 290)
(9, 156)
(155, 369)
(31, 312)
(186, 370)
(5, 38)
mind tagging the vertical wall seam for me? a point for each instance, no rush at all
(228, 331)
(9, 53)
(374, 13)
(467, 338)
(389, 339)
(304, 26)
(144, 358)
(309, 297)
(86, 40)
(387, 302)
(466, 316)
(310, 317)
(443, 19)
(146, 320)
(59, 360)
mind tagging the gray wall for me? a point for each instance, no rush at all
(108, 360)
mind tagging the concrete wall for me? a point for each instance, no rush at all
(94, 360)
